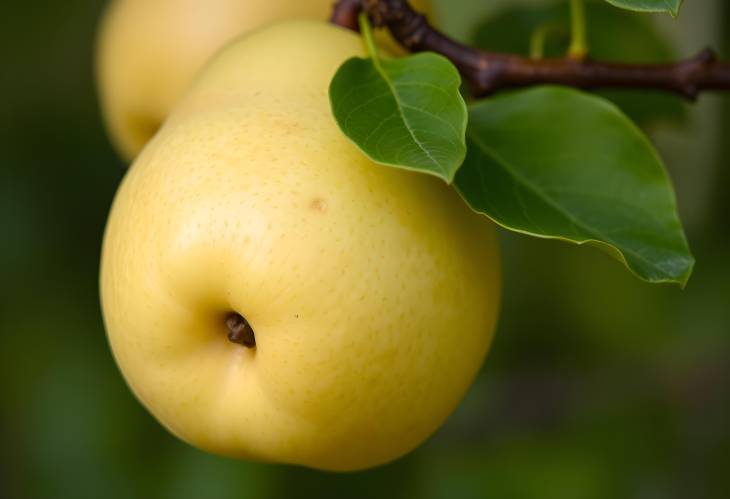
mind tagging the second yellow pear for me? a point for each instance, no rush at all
(150, 50)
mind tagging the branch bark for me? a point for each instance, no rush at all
(489, 72)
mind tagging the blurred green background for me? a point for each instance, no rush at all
(597, 385)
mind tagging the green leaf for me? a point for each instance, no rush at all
(670, 6)
(557, 163)
(406, 113)
(613, 35)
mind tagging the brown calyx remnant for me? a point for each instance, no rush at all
(239, 330)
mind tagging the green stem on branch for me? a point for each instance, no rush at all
(578, 40)
(539, 37)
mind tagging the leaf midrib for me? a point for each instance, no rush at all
(401, 113)
(555, 205)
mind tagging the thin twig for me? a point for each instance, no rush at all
(489, 72)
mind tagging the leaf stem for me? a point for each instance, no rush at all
(367, 35)
(578, 39)
(539, 37)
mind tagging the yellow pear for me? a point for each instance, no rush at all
(150, 50)
(360, 300)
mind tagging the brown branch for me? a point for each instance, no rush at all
(489, 72)
(345, 14)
